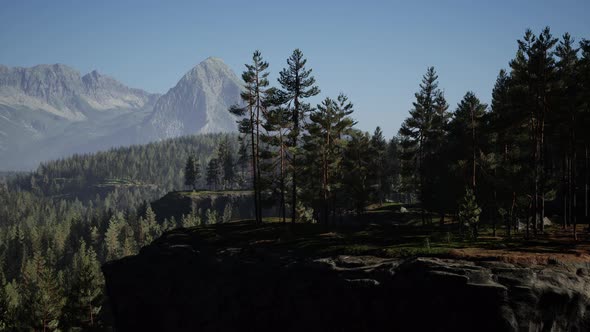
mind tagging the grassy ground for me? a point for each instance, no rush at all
(386, 232)
(121, 183)
(201, 192)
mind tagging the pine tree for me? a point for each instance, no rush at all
(297, 84)
(467, 119)
(129, 245)
(149, 229)
(191, 172)
(507, 132)
(243, 159)
(533, 74)
(355, 168)
(213, 170)
(84, 296)
(114, 247)
(256, 82)
(274, 153)
(422, 136)
(9, 320)
(378, 167)
(227, 213)
(392, 167)
(4, 303)
(226, 158)
(190, 220)
(323, 145)
(42, 297)
(211, 215)
(584, 83)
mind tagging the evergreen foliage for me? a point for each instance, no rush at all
(192, 172)
(297, 84)
(469, 212)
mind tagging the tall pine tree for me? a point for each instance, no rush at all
(297, 85)
(254, 95)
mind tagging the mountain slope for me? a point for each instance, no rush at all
(198, 103)
(51, 111)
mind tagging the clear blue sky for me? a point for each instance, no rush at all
(374, 51)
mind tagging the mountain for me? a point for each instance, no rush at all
(60, 90)
(198, 103)
(51, 111)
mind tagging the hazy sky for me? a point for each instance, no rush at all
(374, 51)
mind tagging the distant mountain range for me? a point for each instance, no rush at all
(51, 111)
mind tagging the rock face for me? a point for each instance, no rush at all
(198, 103)
(180, 284)
(178, 203)
(61, 91)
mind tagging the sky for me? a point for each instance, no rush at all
(373, 51)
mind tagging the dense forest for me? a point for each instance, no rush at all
(153, 167)
(58, 224)
(512, 164)
(523, 158)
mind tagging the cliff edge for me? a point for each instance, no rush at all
(239, 277)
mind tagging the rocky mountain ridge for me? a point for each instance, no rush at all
(62, 91)
(210, 87)
(51, 111)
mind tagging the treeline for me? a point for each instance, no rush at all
(223, 171)
(310, 162)
(155, 167)
(522, 157)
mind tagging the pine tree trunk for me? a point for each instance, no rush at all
(91, 315)
(254, 166)
(565, 191)
(258, 192)
(282, 156)
(536, 212)
(295, 161)
(512, 216)
(492, 213)
(473, 147)
(574, 185)
(569, 191)
(586, 183)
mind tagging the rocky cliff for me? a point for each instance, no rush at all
(178, 203)
(208, 280)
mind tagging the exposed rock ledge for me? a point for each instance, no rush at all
(176, 285)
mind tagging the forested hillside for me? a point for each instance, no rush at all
(58, 224)
(154, 168)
